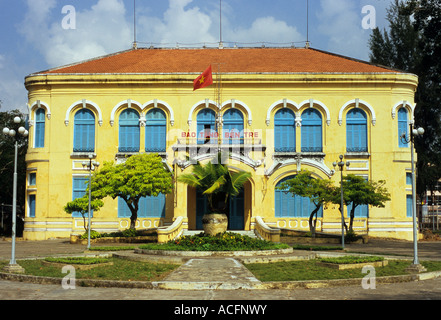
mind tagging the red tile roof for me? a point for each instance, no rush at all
(233, 60)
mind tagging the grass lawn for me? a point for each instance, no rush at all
(121, 269)
(312, 270)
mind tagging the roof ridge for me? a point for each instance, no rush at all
(237, 60)
(357, 60)
(84, 61)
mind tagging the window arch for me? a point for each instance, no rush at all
(403, 127)
(289, 206)
(39, 132)
(312, 133)
(233, 126)
(284, 131)
(84, 131)
(156, 131)
(129, 131)
(206, 126)
(356, 131)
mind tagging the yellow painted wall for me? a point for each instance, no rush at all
(55, 164)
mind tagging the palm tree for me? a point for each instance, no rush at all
(217, 183)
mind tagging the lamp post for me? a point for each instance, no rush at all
(416, 266)
(91, 166)
(13, 266)
(341, 164)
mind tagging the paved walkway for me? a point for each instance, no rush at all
(216, 278)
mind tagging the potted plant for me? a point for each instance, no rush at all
(217, 183)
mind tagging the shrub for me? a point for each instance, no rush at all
(223, 242)
(93, 235)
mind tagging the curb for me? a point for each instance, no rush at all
(168, 285)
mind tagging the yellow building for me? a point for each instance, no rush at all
(276, 111)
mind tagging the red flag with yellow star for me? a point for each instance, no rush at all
(204, 80)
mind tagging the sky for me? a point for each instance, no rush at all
(37, 35)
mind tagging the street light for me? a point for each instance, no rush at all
(416, 266)
(341, 164)
(91, 166)
(13, 267)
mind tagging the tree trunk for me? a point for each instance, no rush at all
(134, 210)
(312, 221)
(351, 220)
(346, 227)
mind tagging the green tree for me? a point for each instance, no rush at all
(216, 182)
(427, 22)
(359, 191)
(81, 205)
(7, 160)
(412, 43)
(317, 190)
(138, 177)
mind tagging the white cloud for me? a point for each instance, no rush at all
(265, 29)
(99, 30)
(179, 24)
(12, 91)
(340, 22)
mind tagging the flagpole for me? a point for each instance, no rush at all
(220, 24)
(218, 98)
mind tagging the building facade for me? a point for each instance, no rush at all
(275, 111)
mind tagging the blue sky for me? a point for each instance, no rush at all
(33, 37)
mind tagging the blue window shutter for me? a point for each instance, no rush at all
(403, 127)
(233, 125)
(284, 131)
(123, 209)
(356, 131)
(32, 206)
(84, 131)
(409, 206)
(311, 131)
(32, 179)
(409, 179)
(39, 128)
(288, 206)
(79, 186)
(129, 131)
(156, 131)
(149, 207)
(362, 211)
(206, 120)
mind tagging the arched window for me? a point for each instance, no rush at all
(284, 131)
(39, 128)
(403, 127)
(129, 132)
(206, 126)
(312, 131)
(289, 206)
(233, 127)
(156, 131)
(84, 131)
(356, 131)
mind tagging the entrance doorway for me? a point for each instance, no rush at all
(236, 206)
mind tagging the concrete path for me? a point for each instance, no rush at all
(212, 273)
